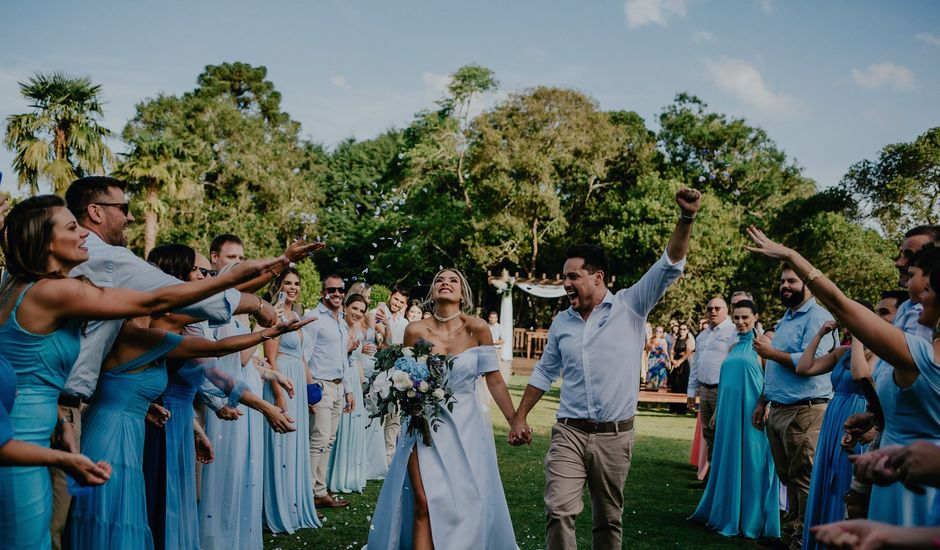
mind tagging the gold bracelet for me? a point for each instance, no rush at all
(812, 275)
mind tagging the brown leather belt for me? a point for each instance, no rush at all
(591, 427)
(334, 381)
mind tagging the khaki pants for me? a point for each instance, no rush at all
(61, 499)
(391, 425)
(575, 458)
(323, 426)
(708, 405)
(793, 432)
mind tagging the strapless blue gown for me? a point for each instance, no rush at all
(232, 486)
(742, 494)
(42, 363)
(288, 488)
(459, 471)
(114, 515)
(911, 414)
(346, 472)
(832, 471)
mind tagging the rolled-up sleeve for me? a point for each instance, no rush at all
(642, 296)
(548, 368)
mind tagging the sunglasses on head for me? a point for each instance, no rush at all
(122, 206)
(206, 272)
(334, 290)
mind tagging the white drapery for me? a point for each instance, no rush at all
(543, 291)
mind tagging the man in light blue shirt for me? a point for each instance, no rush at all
(596, 346)
(327, 347)
(797, 403)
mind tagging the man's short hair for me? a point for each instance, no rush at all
(927, 258)
(595, 259)
(747, 295)
(932, 231)
(328, 277)
(899, 296)
(398, 290)
(85, 191)
(222, 240)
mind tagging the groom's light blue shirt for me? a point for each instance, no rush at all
(599, 358)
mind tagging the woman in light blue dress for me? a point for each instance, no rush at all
(742, 494)
(832, 471)
(346, 472)
(41, 310)
(449, 495)
(908, 378)
(288, 488)
(376, 460)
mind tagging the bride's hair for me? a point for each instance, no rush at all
(466, 295)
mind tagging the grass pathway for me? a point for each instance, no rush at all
(658, 492)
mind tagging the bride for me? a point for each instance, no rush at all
(449, 495)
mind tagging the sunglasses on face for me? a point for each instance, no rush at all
(206, 272)
(334, 290)
(122, 206)
(713, 308)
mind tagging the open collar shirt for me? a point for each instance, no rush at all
(117, 267)
(794, 332)
(599, 358)
(711, 348)
(325, 346)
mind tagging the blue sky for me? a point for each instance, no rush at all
(831, 82)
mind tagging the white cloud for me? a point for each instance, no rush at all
(645, 12)
(887, 74)
(340, 81)
(703, 36)
(928, 38)
(744, 82)
(767, 6)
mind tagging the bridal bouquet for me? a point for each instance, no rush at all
(414, 379)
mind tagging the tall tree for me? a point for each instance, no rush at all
(902, 187)
(62, 138)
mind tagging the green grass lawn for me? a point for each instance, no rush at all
(658, 491)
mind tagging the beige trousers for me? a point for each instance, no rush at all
(793, 432)
(61, 499)
(708, 405)
(323, 426)
(576, 458)
(391, 425)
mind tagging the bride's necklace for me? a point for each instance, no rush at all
(445, 319)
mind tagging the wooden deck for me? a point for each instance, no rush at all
(523, 367)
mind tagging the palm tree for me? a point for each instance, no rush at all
(62, 138)
(156, 168)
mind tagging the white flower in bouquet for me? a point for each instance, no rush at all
(438, 394)
(381, 385)
(407, 352)
(401, 380)
(499, 284)
(423, 387)
(411, 393)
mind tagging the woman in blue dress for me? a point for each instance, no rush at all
(832, 471)
(346, 471)
(288, 488)
(908, 381)
(41, 311)
(133, 375)
(742, 494)
(449, 495)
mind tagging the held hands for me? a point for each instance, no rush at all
(689, 200)
(520, 433)
(763, 245)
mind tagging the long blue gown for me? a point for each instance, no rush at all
(376, 460)
(41, 363)
(232, 487)
(832, 471)
(288, 488)
(459, 472)
(742, 494)
(114, 515)
(911, 414)
(346, 472)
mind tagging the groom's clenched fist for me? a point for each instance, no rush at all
(689, 200)
(520, 432)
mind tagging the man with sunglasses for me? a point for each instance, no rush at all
(711, 347)
(327, 347)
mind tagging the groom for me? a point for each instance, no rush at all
(595, 346)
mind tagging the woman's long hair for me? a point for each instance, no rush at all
(278, 283)
(173, 259)
(26, 239)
